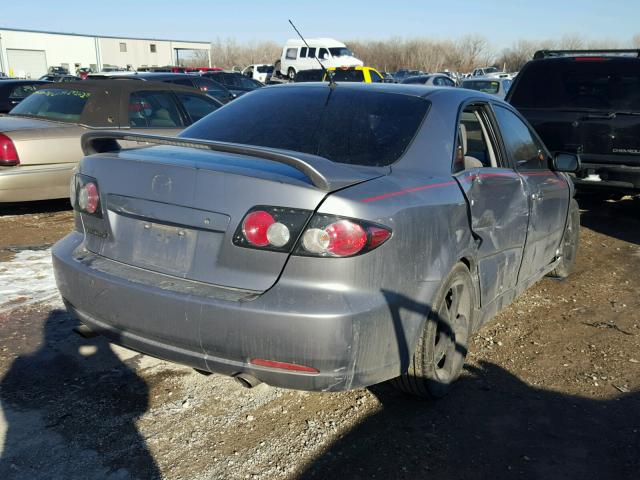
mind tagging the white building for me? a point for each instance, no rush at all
(30, 53)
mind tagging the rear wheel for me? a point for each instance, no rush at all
(570, 241)
(442, 347)
(291, 73)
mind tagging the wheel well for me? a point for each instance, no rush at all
(467, 262)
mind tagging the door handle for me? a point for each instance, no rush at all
(536, 196)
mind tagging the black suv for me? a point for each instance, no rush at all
(586, 102)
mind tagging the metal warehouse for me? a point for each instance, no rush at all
(30, 53)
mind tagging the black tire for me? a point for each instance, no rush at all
(291, 73)
(570, 241)
(442, 348)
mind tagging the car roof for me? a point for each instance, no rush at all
(8, 80)
(116, 84)
(398, 88)
(572, 58)
(152, 76)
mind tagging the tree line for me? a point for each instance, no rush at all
(428, 55)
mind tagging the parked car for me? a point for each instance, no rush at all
(60, 78)
(387, 77)
(12, 92)
(587, 103)
(296, 56)
(400, 75)
(355, 74)
(40, 138)
(237, 83)
(360, 238)
(491, 85)
(490, 72)
(261, 72)
(58, 70)
(206, 85)
(435, 80)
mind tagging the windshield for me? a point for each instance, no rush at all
(609, 85)
(490, 70)
(64, 105)
(485, 86)
(359, 127)
(341, 52)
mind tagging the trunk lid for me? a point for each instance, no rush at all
(174, 210)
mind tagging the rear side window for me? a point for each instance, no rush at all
(415, 80)
(609, 84)
(354, 127)
(153, 110)
(375, 78)
(60, 104)
(353, 75)
(522, 147)
(196, 106)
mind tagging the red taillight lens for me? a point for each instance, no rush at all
(331, 236)
(271, 228)
(88, 198)
(255, 227)
(283, 365)
(345, 238)
(8, 153)
(85, 195)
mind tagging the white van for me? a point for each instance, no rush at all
(296, 56)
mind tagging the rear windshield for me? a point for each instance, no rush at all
(486, 86)
(610, 85)
(346, 126)
(54, 104)
(348, 75)
(265, 68)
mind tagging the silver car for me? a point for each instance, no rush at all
(491, 85)
(362, 237)
(432, 80)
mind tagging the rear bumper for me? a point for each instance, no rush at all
(624, 178)
(35, 182)
(352, 338)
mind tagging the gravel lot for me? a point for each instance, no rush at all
(551, 389)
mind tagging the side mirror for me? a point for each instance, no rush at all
(565, 162)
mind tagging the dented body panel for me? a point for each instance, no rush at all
(215, 306)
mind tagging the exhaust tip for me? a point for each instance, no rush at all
(246, 380)
(84, 331)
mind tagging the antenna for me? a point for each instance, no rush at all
(324, 69)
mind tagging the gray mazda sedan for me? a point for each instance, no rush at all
(360, 235)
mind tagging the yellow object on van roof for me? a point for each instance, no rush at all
(355, 74)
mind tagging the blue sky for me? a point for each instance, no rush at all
(500, 21)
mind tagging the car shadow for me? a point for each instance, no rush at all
(35, 207)
(70, 409)
(492, 425)
(616, 218)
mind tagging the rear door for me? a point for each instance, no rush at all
(548, 193)
(497, 202)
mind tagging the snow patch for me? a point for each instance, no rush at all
(27, 279)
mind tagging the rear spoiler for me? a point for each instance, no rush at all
(102, 142)
(540, 54)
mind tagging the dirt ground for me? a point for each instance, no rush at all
(551, 391)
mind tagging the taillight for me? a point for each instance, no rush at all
(8, 153)
(271, 228)
(333, 236)
(280, 229)
(85, 196)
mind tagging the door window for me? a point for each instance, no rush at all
(312, 52)
(153, 110)
(375, 78)
(197, 107)
(524, 150)
(474, 148)
(323, 53)
(303, 52)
